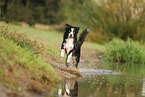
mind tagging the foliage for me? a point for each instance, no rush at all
(109, 18)
(124, 51)
(21, 39)
(105, 18)
(123, 18)
(32, 11)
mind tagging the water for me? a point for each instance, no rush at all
(102, 85)
(107, 80)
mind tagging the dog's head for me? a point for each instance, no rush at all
(71, 31)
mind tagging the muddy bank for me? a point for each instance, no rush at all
(23, 83)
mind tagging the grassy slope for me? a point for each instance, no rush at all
(19, 65)
(11, 54)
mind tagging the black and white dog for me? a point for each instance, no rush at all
(71, 46)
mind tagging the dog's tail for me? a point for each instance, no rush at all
(82, 37)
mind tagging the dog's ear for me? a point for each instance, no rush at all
(77, 29)
(67, 25)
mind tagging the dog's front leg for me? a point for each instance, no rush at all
(62, 51)
(62, 54)
(77, 62)
(68, 59)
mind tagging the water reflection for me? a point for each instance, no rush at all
(91, 85)
(143, 88)
(68, 88)
(110, 86)
(111, 80)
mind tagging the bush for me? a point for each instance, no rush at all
(120, 51)
(123, 18)
(111, 18)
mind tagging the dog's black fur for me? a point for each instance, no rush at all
(72, 51)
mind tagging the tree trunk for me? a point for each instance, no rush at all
(5, 7)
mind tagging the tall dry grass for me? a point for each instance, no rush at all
(110, 18)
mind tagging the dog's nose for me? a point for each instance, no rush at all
(70, 35)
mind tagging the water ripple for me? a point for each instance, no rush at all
(97, 71)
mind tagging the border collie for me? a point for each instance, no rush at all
(71, 46)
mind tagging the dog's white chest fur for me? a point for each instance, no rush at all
(69, 44)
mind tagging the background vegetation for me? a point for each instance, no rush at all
(112, 18)
(105, 18)
(32, 11)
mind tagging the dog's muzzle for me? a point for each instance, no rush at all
(70, 35)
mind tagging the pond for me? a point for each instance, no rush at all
(107, 80)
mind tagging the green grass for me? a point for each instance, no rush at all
(120, 51)
(94, 46)
(12, 54)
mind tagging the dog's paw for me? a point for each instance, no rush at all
(61, 59)
(69, 59)
(62, 53)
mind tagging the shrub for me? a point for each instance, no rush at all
(124, 51)
(111, 18)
